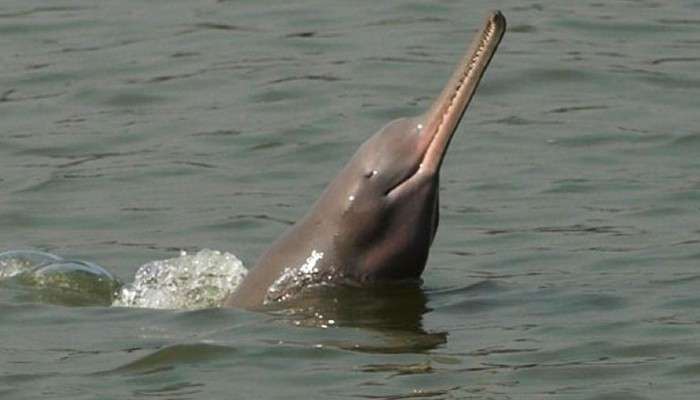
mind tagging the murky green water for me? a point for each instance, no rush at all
(568, 259)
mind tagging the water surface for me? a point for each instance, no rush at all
(566, 265)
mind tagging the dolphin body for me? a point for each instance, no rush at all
(377, 218)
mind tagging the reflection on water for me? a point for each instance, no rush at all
(393, 313)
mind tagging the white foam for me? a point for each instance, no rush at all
(195, 281)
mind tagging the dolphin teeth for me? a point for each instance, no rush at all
(490, 31)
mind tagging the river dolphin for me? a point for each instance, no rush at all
(377, 218)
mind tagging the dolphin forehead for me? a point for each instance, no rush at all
(393, 145)
(390, 156)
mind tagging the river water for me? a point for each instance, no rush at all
(567, 264)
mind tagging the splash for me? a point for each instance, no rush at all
(16, 262)
(49, 278)
(194, 281)
(294, 279)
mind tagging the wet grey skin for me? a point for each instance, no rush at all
(377, 218)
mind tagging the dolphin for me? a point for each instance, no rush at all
(375, 221)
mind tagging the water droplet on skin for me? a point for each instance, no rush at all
(351, 198)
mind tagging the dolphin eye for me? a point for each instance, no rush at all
(371, 173)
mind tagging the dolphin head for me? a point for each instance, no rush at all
(376, 220)
(387, 195)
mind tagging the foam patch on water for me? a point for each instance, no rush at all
(193, 281)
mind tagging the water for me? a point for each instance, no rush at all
(187, 282)
(566, 261)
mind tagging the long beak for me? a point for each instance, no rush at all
(440, 123)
